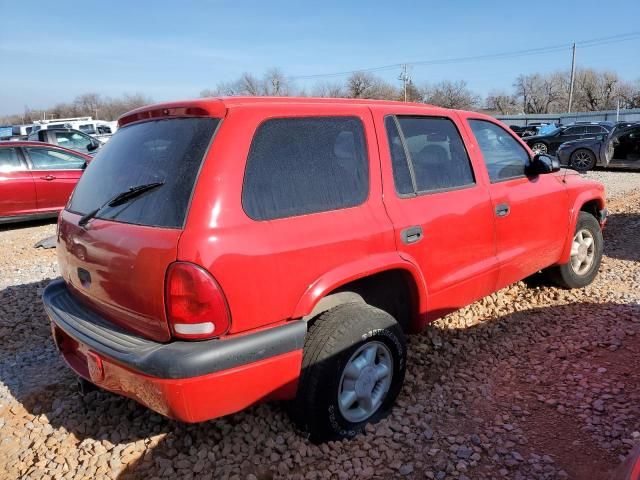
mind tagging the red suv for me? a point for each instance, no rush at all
(36, 179)
(222, 252)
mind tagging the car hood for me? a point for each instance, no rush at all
(533, 138)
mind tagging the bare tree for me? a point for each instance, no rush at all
(359, 84)
(272, 83)
(540, 94)
(597, 90)
(275, 83)
(451, 95)
(366, 85)
(330, 90)
(501, 102)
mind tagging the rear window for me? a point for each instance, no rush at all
(169, 151)
(298, 166)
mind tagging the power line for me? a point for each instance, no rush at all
(516, 53)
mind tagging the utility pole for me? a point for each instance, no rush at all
(405, 78)
(573, 77)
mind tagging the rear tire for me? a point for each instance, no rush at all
(582, 160)
(353, 369)
(586, 255)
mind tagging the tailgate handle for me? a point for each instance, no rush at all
(411, 234)
(48, 178)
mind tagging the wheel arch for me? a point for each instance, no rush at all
(585, 202)
(385, 281)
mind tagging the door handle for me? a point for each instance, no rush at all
(502, 209)
(411, 234)
(48, 178)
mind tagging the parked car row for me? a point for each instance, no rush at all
(620, 148)
(99, 129)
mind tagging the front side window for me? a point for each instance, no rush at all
(503, 156)
(73, 140)
(437, 158)
(49, 159)
(299, 166)
(9, 160)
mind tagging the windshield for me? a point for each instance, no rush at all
(169, 151)
(555, 131)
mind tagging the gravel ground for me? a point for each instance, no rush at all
(617, 183)
(530, 383)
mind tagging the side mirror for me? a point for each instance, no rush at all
(92, 146)
(542, 164)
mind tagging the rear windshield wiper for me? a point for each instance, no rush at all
(120, 199)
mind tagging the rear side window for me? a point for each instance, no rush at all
(9, 160)
(49, 159)
(400, 162)
(503, 156)
(595, 129)
(437, 159)
(298, 166)
(169, 151)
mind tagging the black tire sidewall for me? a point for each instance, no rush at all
(317, 408)
(389, 336)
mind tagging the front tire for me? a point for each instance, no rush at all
(353, 369)
(582, 160)
(540, 147)
(586, 255)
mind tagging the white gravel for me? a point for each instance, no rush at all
(532, 382)
(617, 182)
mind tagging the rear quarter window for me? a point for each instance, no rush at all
(169, 151)
(299, 166)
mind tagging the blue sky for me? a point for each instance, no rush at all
(53, 51)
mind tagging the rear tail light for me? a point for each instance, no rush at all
(196, 306)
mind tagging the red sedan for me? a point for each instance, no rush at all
(36, 179)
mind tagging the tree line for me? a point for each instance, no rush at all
(534, 93)
(85, 105)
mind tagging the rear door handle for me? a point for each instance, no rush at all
(411, 234)
(502, 209)
(48, 178)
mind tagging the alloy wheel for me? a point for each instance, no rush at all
(582, 252)
(582, 160)
(539, 148)
(365, 381)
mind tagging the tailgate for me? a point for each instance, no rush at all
(118, 270)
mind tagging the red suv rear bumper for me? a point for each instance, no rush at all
(188, 381)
